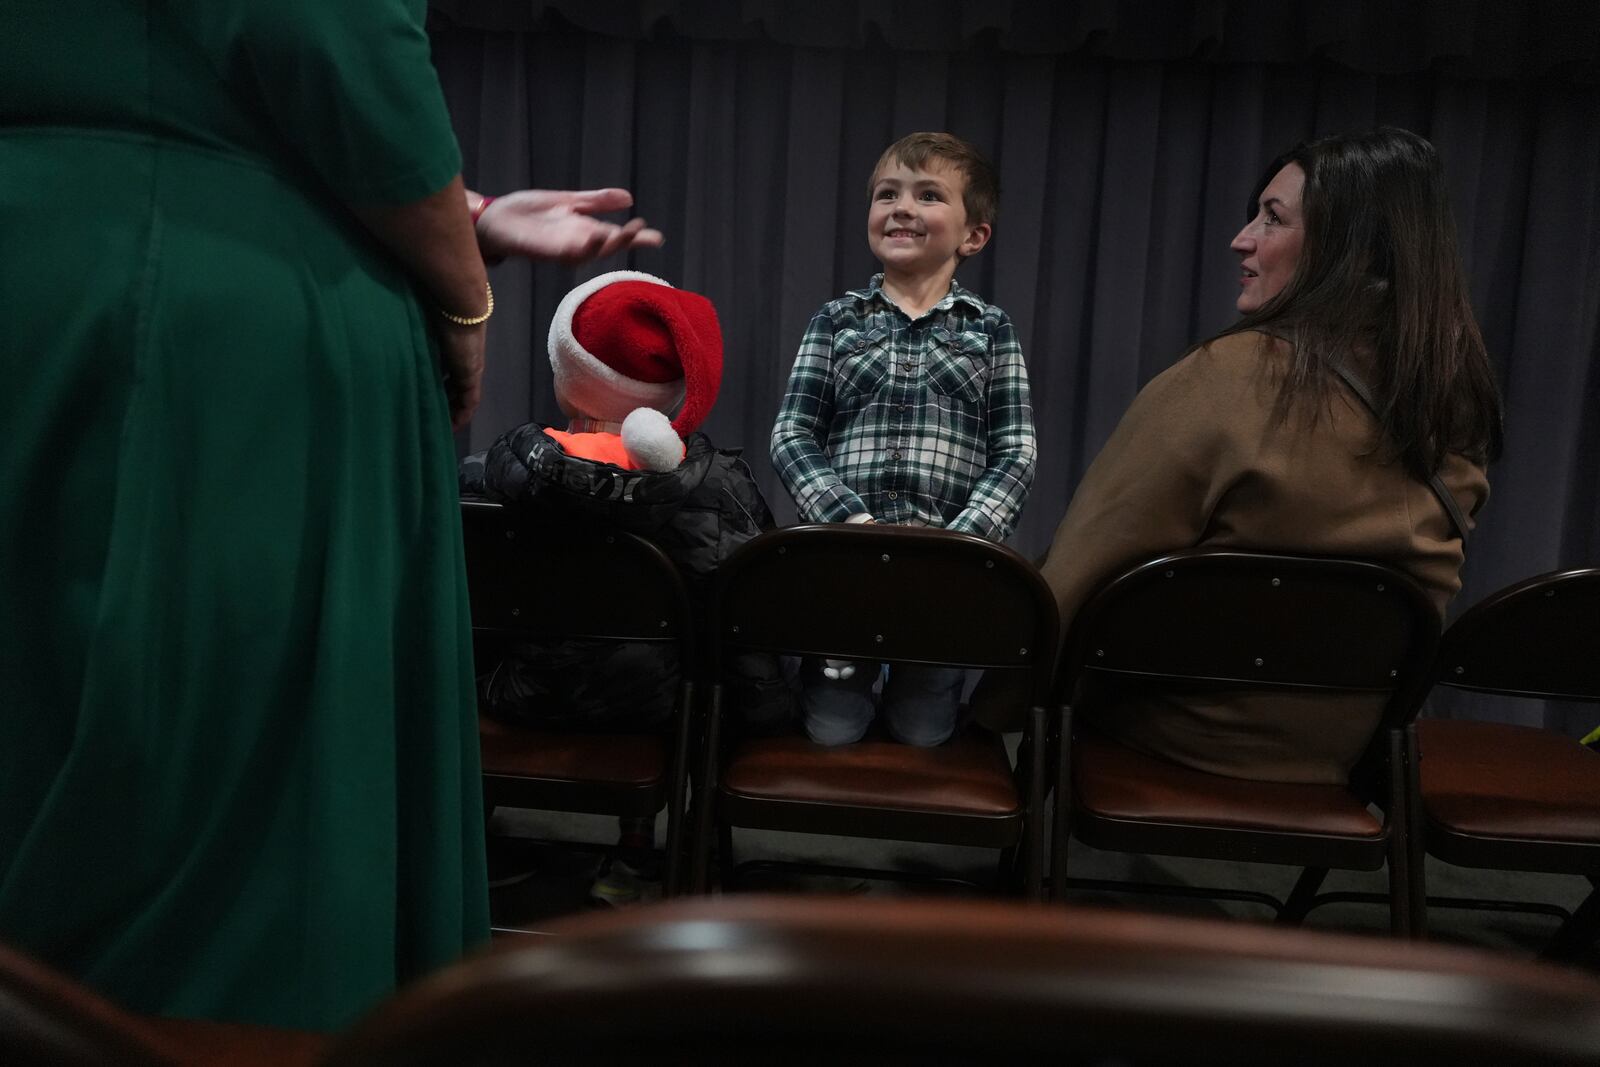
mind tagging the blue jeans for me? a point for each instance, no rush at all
(919, 704)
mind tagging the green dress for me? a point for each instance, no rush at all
(238, 754)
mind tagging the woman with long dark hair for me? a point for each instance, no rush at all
(1377, 287)
(1355, 376)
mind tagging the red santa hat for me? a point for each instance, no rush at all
(628, 340)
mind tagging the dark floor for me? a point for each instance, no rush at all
(561, 879)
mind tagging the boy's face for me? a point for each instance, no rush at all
(917, 222)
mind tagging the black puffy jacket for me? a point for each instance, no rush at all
(699, 513)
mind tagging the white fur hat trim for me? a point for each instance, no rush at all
(586, 387)
(650, 440)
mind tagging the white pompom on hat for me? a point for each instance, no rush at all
(628, 340)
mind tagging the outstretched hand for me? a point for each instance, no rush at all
(559, 224)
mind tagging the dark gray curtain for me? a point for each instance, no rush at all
(1125, 162)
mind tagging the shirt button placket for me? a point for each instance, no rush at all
(902, 378)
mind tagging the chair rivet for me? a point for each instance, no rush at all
(885, 557)
(511, 535)
(1022, 652)
(879, 639)
(1394, 674)
(1169, 574)
(1549, 592)
(1100, 652)
(1259, 661)
(610, 540)
(735, 629)
(1461, 670)
(783, 551)
(1276, 583)
(516, 611)
(989, 563)
(1380, 587)
(663, 624)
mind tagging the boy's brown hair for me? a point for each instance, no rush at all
(982, 195)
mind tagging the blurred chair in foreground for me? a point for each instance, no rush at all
(886, 981)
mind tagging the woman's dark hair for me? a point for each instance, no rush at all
(1379, 271)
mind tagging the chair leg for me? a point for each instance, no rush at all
(727, 870)
(1006, 873)
(677, 784)
(1416, 839)
(1579, 932)
(705, 794)
(1398, 818)
(1302, 897)
(1033, 825)
(1061, 831)
(1010, 876)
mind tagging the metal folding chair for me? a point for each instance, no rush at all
(896, 595)
(533, 580)
(1259, 622)
(1518, 798)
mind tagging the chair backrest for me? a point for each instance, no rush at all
(1260, 620)
(887, 593)
(535, 578)
(1539, 638)
(773, 980)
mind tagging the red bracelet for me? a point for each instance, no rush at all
(477, 212)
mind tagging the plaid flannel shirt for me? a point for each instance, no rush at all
(924, 423)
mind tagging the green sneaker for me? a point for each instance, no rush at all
(620, 884)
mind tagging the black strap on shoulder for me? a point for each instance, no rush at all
(1451, 508)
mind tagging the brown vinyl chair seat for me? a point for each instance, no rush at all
(606, 774)
(969, 775)
(1475, 781)
(901, 981)
(1114, 781)
(636, 760)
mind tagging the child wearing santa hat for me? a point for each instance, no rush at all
(626, 349)
(637, 364)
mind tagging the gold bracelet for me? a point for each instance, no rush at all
(475, 320)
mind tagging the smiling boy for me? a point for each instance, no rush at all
(908, 404)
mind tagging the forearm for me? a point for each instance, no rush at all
(995, 503)
(804, 417)
(819, 493)
(433, 238)
(1012, 448)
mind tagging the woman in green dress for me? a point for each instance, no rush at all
(238, 749)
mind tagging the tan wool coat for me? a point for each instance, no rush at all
(1200, 459)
